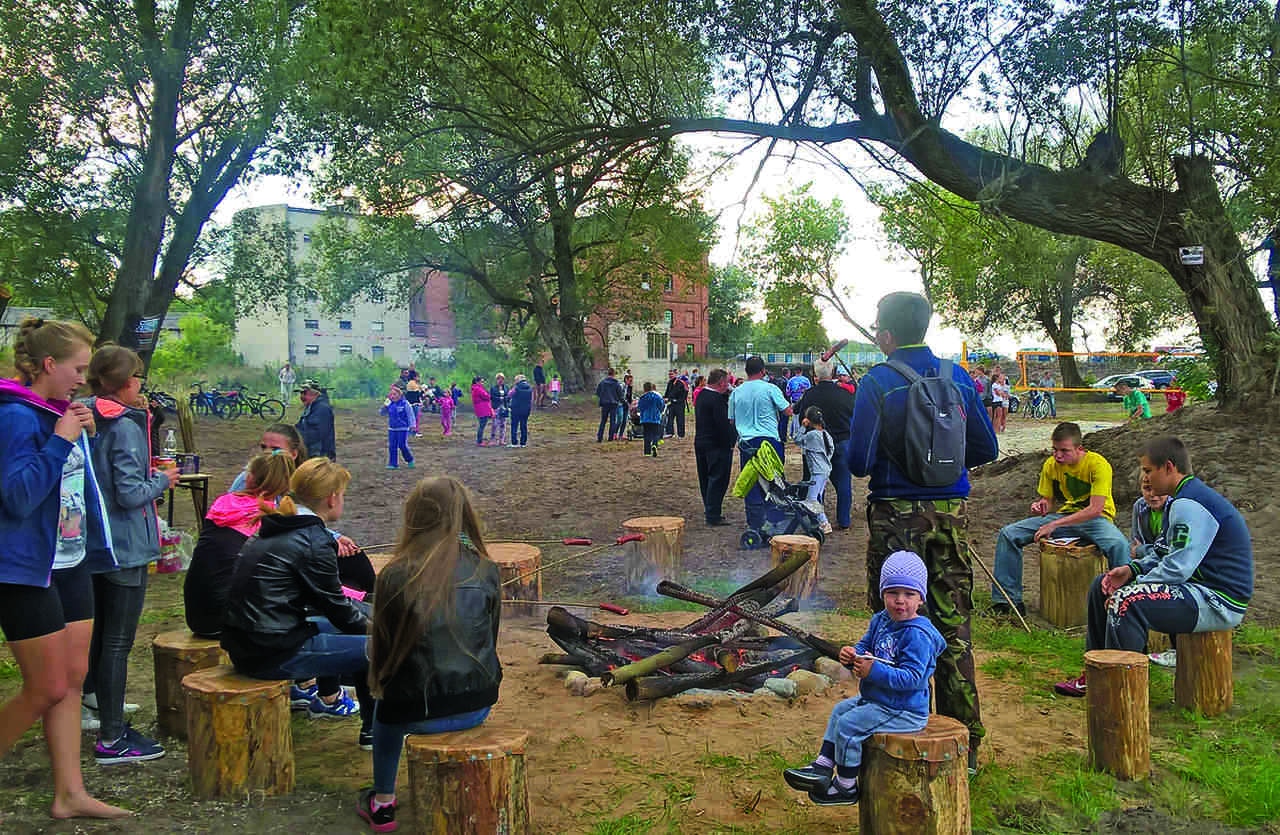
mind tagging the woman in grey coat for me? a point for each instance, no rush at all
(122, 459)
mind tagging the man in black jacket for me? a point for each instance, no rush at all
(836, 404)
(677, 397)
(610, 396)
(713, 443)
(316, 423)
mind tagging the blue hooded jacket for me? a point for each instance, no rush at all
(31, 462)
(912, 648)
(399, 414)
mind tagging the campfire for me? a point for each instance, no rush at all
(716, 651)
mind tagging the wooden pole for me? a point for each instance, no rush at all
(917, 784)
(660, 555)
(239, 743)
(176, 655)
(1066, 572)
(1118, 716)
(470, 782)
(1203, 680)
(802, 584)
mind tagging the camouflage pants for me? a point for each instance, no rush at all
(936, 530)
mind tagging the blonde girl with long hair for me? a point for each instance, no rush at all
(290, 566)
(433, 661)
(50, 512)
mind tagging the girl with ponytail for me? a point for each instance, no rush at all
(50, 517)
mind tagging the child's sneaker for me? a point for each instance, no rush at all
(343, 707)
(392, 467)
(366, 739)
(825, 527)
(812, 777)
(409, 465)
(1168, 658)
(1071, 687)
(382, 819)
(300, 697)
(835, 795)
(130, 747)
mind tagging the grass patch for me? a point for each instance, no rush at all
(625, 825)
(9, 670)
(163, 613)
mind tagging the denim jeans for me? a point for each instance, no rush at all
(1014, 537)
(817, 485)
(117, 600)
(520, 428)
(388, 742)
(842, 479)
(398, 442)
(754, 501)
(480, 430)
(326, 654)
(609, 415)
(854, 720)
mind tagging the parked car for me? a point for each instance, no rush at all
(1107, 385)
(1161, 378)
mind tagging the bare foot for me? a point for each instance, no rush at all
(84, 806)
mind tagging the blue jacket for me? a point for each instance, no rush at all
(912, 649)
(122, 461)
(399, 414)
(315, 425)
(31, 462)
(522, 398)
(870, 430)
(650, 407)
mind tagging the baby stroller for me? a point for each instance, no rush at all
(787, 510)
(635, 429)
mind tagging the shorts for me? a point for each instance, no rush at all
(28, 612)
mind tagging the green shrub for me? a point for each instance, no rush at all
(203, 343)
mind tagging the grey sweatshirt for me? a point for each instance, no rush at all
(818, 447)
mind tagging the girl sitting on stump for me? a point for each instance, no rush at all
(894, 660)
(433, 661)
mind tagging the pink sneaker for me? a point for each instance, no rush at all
(1071, 687)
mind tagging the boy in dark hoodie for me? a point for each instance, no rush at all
(521, 406)
(894, 660)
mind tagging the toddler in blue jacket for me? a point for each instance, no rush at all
(894, 661)
(400, 421)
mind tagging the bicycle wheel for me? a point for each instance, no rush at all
(1042, 408)
(271, 410)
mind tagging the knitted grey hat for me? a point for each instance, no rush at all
(904, 570)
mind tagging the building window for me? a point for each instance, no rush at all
(377, 327)
(311, 324)
(670, 286)
(657, 346)
(688, 318)
(311, 350)
(688, 351)
(344, 324)
(644, 281)
(668, 317)
(377, 350)
(344, 349)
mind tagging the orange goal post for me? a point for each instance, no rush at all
(1092, 365)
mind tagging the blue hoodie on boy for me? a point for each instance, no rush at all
(912, 648)
(399, 414)
(650, 407)
(32, 458)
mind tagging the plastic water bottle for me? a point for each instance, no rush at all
(170, 445)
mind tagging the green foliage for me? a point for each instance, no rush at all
(217, 300)
(203, 343)
(792, 321)
(731, 290)
(356, 377)
(56, 259)
(1194, 376)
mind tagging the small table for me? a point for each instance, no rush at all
(198, 484)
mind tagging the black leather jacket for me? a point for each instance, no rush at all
(291, 564)
(454, 668)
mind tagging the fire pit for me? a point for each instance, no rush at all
(715, 651)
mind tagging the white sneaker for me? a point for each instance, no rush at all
(825, 527)
(89, 719)
(1168, 658)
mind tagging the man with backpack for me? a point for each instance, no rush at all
(917, 426)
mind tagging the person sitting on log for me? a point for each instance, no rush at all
(1149, 540)
(894, 660)
(1201, 584)
(290, 566)
(1081, 481)
(433, 661)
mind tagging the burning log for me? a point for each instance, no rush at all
(680, 592)
(657, 687)
(760, 590)
(666, 658)
(562, 622)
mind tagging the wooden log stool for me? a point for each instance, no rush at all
(176, 655)
(470, 782)
(1202, 680)
(1118, 716)
(238, 737)
(1066, 572)
(916, 784)
(660, 556)
(804, 582)
(516, 559)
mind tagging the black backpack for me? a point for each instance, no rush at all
(933, 427)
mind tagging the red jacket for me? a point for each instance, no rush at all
(480, 399)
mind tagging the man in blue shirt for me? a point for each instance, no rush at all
(929, 521)
(754, 408)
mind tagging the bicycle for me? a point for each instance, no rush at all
(1037, 405)
(159, 398)
(261, 404)
(203, 402)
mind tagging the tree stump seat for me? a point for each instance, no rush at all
(470, 782)
(1202, 681)
(238, 738)
(1119, 718)
(514, 560)
(176, 655)
(1066, 573)
(660, 556)
(916, 784)
(804, 582)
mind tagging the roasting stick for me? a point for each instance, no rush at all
(568, 540)
(974, 554)
(631, 537)
(608, 607)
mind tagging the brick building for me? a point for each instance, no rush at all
(681, 333)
